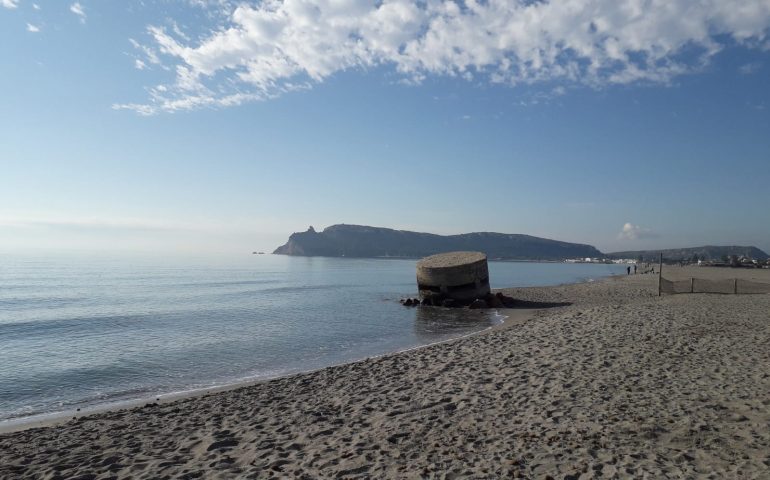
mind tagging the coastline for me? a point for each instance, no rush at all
(43, 420)
(510, 317)
(612, 379)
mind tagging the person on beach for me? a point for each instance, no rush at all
(628, 270)
(634, 269)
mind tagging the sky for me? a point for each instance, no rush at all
(218, 126)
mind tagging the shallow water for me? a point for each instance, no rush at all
(77, 331)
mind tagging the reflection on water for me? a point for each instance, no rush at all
(432, 323)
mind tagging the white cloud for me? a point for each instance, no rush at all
(32, 28)
(77, 9)
(266, 49)
(9, 3)
(750, 68)
(36, 6)
(635, 232)
(149, 54)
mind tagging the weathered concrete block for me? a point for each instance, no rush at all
(463, 276)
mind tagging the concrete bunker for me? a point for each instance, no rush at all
(461, 276)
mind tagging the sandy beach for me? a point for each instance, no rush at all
(593, 380)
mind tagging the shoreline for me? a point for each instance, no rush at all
(612, 381)
(510, 317)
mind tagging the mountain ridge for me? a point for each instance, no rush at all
(365, 241)
(344, 240)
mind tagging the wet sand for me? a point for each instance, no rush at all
(601, 379)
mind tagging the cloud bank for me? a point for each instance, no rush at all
(92, 223)
(276, 46)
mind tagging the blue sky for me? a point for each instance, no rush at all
(223, 127)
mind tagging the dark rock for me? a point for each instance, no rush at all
(450, 303)
(507, 301)
(408, 302)
(493, 301)
(436, 300)
(478, 303)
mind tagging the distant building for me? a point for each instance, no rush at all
(630, 261)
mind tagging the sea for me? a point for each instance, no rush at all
(88, 331)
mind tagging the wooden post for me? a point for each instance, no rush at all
(692, 285)
(660, 273)
(735, 286)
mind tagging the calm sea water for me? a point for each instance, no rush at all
(77, 332)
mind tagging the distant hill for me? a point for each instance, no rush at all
(362, 241)
(708, 252)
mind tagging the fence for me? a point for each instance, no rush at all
(701, 285)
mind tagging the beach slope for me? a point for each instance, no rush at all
(605, 380)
